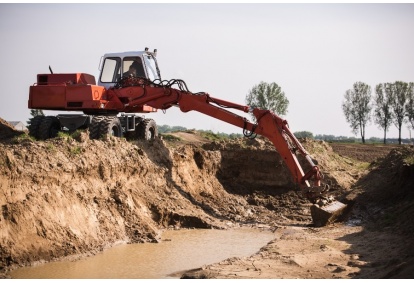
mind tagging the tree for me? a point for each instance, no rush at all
(382, 111)
(409, 107)
(399, 92)
(34, 113)
(357, 107)
(269, 97)
(303, 134)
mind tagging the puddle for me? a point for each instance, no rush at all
(179, 250)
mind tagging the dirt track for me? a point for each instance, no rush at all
(71, 197)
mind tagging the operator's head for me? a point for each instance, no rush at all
(133, 69)
(135, 66)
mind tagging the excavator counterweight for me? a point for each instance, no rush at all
(130, 83)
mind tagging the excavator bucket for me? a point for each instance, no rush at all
(324, 214)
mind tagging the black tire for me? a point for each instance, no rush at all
(94, 127)
(147, 130)
(34, 126)
(49, 128)
(110, 126)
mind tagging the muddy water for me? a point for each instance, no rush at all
(178, 251)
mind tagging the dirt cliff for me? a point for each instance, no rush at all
(72, 196)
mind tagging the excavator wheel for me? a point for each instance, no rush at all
(147, 130)
(34, 126)
(110, 126)
(94, 127)
(49, 128)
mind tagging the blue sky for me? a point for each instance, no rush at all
(315, 52)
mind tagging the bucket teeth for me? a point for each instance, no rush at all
(327, 214)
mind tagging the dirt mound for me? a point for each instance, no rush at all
(71, 195)
(7, 131)
(63, 197)
(386, 194)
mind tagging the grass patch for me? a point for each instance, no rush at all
(75, 150)
(76, 134)
(69, 136)
(64, 136)
(409, 160)
(168, 137)
(50, 147)
(363, 165)
(212, 136)
(22, 138)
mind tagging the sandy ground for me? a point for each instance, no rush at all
(70, 197)
(337, 251)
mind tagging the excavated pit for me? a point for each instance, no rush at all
(71, 196)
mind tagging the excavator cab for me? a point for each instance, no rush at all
(115, 66)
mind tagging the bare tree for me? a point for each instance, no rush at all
(268, 96)
(409, 107)
(399, 92)
(382, 110)
(357, 107)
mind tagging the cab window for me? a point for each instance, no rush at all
(151, 67)
(136, 62)
(111, 70)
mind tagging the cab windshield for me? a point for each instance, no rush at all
(151, 67)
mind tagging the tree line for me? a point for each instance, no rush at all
(345, 139)
(392, 103)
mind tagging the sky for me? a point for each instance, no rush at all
(314, 52)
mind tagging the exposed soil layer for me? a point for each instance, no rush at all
(70, 197)
(375, 241)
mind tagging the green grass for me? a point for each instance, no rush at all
(76, 134)
(168, 137)
(70, 136)
(363, 165)
(65, 136)
(50, 147)
(75, 150)
(22, 138)
(409, 160)
(212, 136)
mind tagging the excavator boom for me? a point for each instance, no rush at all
(267, 124)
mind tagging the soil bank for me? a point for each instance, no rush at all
(70, 197)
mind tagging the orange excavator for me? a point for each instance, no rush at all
(130, 83)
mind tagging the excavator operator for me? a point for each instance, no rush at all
(135, 69)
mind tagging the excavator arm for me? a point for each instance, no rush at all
(267, 123)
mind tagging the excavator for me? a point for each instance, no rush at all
(130, 83)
